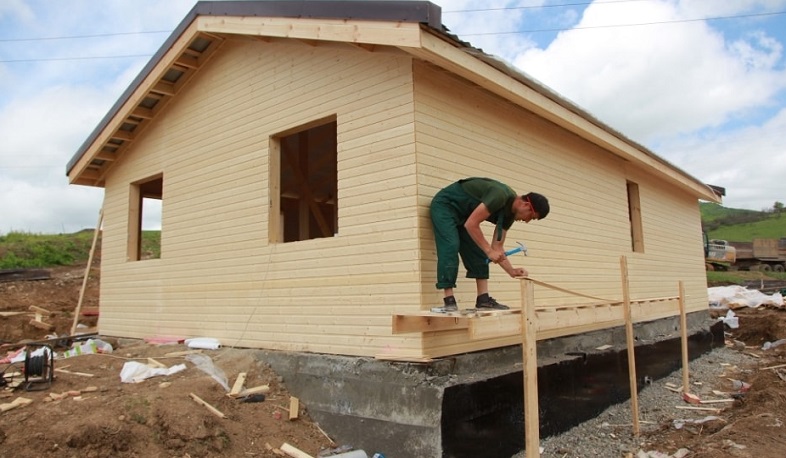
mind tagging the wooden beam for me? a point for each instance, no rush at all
(187, 61)
(426, 323)
(164, 88)
(122, 135)
(486, 327)
(141, 112)
(338, 30)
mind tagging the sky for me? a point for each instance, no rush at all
(701, 83)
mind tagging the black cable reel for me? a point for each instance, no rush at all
(39, 367)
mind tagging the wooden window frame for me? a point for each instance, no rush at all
(147, 188)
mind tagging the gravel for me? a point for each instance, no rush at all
(610, 434)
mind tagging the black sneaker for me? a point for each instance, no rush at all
(450, 304)
(487, 302)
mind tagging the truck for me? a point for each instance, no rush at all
(718, 254)
(761, 254)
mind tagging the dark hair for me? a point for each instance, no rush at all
(539, 203)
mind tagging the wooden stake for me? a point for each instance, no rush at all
(87, 271)
(634, 394)
(684, 339)
(530, 366)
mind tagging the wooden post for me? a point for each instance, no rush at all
(87, 271)
(634, 394)
(530, 366)
(684, 339)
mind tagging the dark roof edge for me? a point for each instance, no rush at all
(404, 11)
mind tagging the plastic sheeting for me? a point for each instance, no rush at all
(735, 296)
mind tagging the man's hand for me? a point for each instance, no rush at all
(518, 272)
(496, 255)
(513, 271)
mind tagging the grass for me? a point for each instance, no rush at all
(741, 225)
(771, 228)
(740, 277)
(23, 250)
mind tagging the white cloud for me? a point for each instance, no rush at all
(656, 81)
(749, 162)
(695, 92)
(49, 107)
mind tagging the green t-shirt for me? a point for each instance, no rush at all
(498, 198)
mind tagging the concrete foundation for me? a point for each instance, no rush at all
(471, 405)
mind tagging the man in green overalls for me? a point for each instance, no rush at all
(456, 214)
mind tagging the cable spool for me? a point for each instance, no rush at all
(39, 368)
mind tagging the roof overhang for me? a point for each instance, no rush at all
(410, 26)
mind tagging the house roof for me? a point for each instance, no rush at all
(414, 27)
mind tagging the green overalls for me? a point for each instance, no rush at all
(450, 209)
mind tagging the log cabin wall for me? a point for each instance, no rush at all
(219, 274)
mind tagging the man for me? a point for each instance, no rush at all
(456, 214)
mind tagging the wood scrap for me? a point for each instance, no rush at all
(714, 401)
(183, 353)
(294, 407)
(237, 387)
(274, 450)
(155, 363)
(209, 407)
(691, 398)
(18, 402)
(294, 452)
(254, 390)
(38, 321)
(81, 374)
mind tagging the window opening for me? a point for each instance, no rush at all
(144, 233)
(634, 215)
(306, 163)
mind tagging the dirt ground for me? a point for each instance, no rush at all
(88, 412)
(100, 416)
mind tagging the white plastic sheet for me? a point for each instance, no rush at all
(735, 296)
(134, 372)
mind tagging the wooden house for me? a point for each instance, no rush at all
(295, 147)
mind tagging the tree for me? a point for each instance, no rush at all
(777, 207)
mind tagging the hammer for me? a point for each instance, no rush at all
(521, 247)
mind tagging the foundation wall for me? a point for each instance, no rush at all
(471, 405)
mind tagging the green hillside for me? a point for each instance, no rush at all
(20, 250)
(741, 225)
